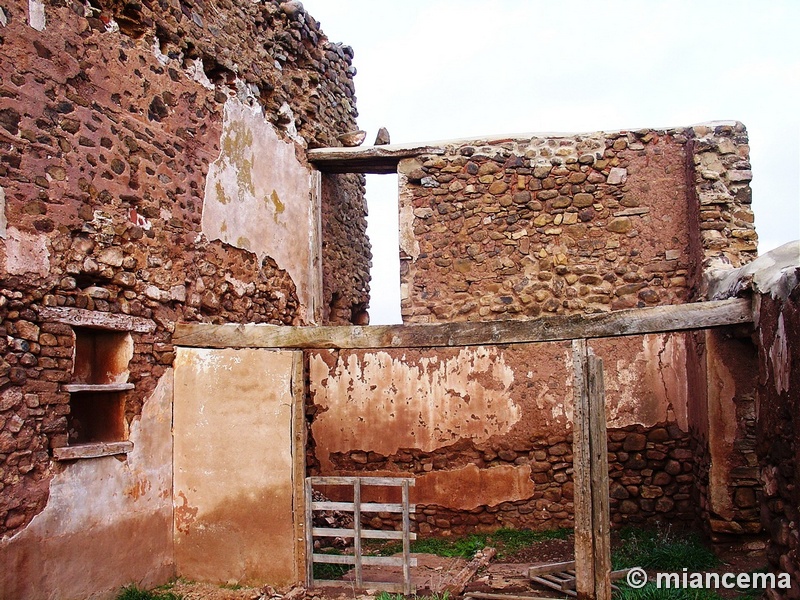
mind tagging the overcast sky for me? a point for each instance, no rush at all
(440, 69)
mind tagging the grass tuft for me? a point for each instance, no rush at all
(388, 596)
(651, 592)
(507, 541)
(661, 549)
(132, 592)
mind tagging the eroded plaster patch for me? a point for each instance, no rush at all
(258, 196)
(26, 253)
(470, 487)
(648, 385)
(779, 356)
(381, 402)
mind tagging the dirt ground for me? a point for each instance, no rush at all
(433, 574)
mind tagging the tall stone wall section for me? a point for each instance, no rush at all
(122, 125)
(518, 228)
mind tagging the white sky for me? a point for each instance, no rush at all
(439, 69)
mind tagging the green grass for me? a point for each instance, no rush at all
(651, 592)
(661, 549)
(507, 541)
(132, 592)
(330, 571)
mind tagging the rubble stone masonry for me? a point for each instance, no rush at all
(518, 228)
(111, 116)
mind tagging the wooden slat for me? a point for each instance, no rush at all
(96, 387)
(382, 481)
(550, 568)
(383, 586)
(357, 529)
(93, 450)
(367, 159)
(365, 507)
(635, 321)
(406, 540)
(299, 445)
(458, 582)
(79, 317)
(372, 534)
(349, 559)
(553, 586)
(309, 514)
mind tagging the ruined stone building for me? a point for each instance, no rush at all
(167, 163)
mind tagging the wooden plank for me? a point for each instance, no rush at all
(349, 559)
(94, 450)
(598, 441)
(365, 507)
(299, 485)
(406, 540)
(383, 586)
(373, 534)
(368, 159)
(635, 321)
(550, 568)
(553, 586)
(465, 575)
(357, 529)
(73, 388)
(79, 317)
(309, 513)
(382, 481)
(582, 479)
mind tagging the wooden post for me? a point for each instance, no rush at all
(357, 530)
(590, 473)
(406, 540)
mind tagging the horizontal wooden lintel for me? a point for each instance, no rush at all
(92, 450)
(635, 321)
(79, 317)
(368, 159)
(97, 387)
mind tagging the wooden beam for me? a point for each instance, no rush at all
(635, 321)
(368, 159)
(590, 476)
(79, 317)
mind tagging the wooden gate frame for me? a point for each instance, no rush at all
(357, 533)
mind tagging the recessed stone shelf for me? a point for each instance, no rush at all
(93, 450)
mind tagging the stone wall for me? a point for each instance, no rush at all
(486, 431)
(152, 167)
(779, 429)
(517, 228)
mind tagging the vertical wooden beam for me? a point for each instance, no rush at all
(581, 459)
(309, 536)
(302, 506)
(357, 530)
(406, 540)
(590, 473)
(598, 441)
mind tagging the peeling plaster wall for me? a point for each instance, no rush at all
(258, 197)
(487, 430)
(235, 460)
(107, 522)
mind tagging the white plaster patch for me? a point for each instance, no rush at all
(196, 72)
(26, 253)
(36, 18)
(258, 197)
(383, 403)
